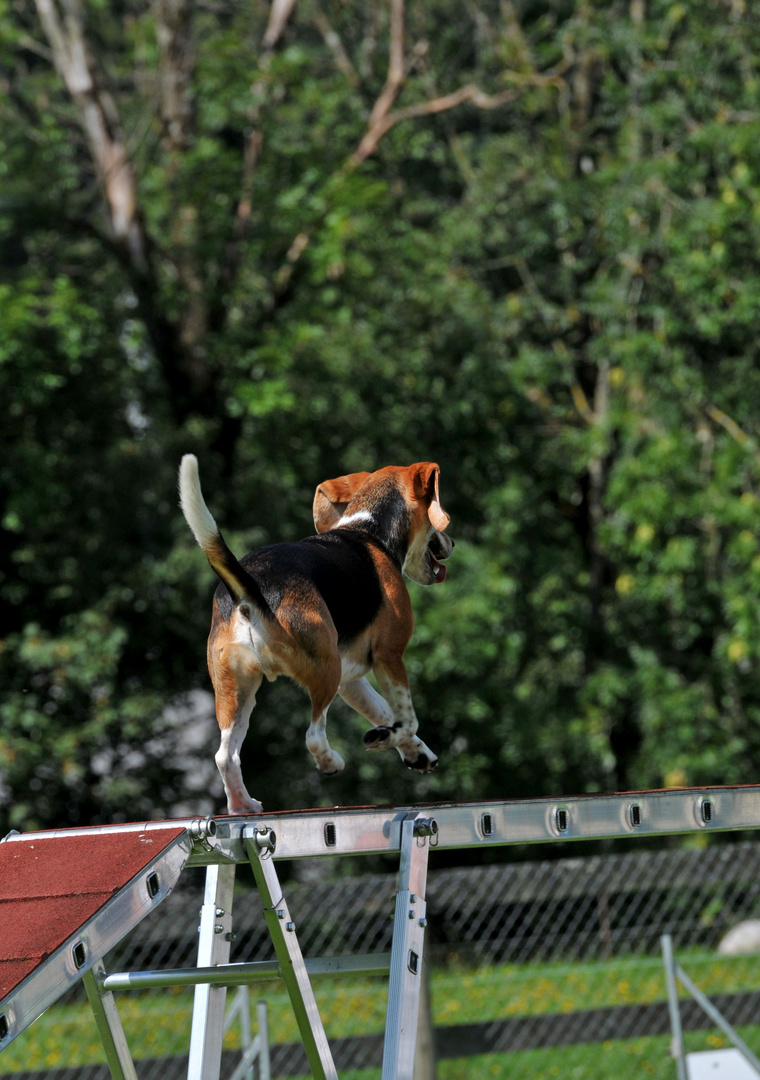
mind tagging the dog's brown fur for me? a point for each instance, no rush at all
(325, 611)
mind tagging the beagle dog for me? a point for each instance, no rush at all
(325, 611)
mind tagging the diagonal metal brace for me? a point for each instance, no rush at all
(260, 846)
(406, 952)
(109, 1027)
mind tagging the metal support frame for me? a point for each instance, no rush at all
(254, 1049)
(108, 1024)
(406, 951)
(673, 972)
(219, 844)
(215, 936)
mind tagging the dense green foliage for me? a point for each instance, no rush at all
(549, 284)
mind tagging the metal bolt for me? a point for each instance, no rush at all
(280, 913)
(219, 912)
(218, 928)
(423, 923)
(290, 927)
(412, 899)
(231, 936)
(411, 913)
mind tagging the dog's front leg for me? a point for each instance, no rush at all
(360, 695)
(396, 723)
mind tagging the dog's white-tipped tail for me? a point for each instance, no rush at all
(240, 584)
(197, 514)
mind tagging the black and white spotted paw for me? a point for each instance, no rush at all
(424, 763)
(377, 738)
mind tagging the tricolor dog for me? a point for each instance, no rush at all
(325, 611)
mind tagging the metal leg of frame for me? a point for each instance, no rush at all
(674, 971)
(406, 951)
(718, 1019)
(676, 1046)
(205, 1059)
(240, 1010)
(282, 929)
(255, 1049)
(109, 1027)
(262, 1023)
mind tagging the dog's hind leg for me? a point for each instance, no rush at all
(234, 705)
(322, 687)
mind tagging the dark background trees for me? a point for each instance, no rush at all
(304, 239)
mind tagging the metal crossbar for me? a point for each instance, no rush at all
(374, 830)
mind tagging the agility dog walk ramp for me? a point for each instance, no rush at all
(69, 896)
(66, 899)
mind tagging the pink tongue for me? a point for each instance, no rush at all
(440, 572)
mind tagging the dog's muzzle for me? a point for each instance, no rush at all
(436, 555)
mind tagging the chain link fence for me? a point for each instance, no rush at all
(537, 969)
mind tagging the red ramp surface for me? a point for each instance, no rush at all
(66, 900)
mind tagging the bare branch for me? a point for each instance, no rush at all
(99, 119)
(734, 430)
(279, 13)
(382, 117)
(384, 123)
(581, 403)
(176, 62)
(395, 76)
(335, 45)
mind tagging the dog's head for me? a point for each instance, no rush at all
(401, 506)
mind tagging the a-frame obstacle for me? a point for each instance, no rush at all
(68, 896)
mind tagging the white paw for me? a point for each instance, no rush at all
(416, 755)
(330, 763)
(244, 806)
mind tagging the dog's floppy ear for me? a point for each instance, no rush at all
(333, 496)
(426, 487)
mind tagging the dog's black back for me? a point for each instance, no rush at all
(338, 564)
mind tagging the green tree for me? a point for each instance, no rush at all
(301, 240)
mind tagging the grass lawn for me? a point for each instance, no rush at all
(157, 1023)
